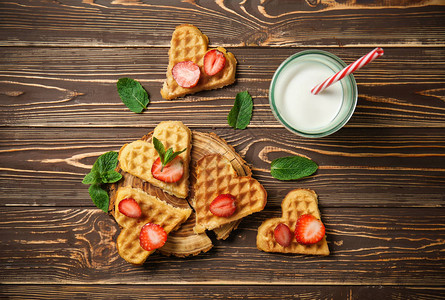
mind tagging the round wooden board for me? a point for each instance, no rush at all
(184, 241)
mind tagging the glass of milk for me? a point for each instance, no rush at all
(297, 109)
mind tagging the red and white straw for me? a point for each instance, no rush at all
(363, 61)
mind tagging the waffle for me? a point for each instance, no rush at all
(189, 44)
(137, 157)
(215, 175)
(155, 211)
(296, 203)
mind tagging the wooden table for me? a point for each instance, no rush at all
(381, 181)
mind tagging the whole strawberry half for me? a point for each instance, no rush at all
(130, 208)
(310, 230)
(152, 236)
(283, 235)
(171, 172)
(214, 61)
(186, 74)
(223, 206)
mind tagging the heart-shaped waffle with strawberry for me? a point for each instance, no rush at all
(221, 196)
(146, 221)
(299, 230)
(142, 159)
(193, 67)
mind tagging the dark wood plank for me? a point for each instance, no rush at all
(221, 292)
(372, 246)
(377, 167)
(230, 23)
(53, 87)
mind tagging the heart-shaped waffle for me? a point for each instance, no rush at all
(138, 157)
(154, 211)
(296, 203)
(189, 44)
(215, 175)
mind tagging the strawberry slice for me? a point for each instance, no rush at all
(186, 74)
(152, 236)
(283, 235)
(223, 206)
(130, 208)
(309, 230)
(171, 172)
(214, 61)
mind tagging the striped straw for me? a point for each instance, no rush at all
(363, 61)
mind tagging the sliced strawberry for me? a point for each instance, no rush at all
(152, 236)
(214, 61)
(282, 235)
(223, 206)
(130, 208)
(172, 172)
(309, 230)
(186, 74)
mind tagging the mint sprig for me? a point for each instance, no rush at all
(99, 197)
(132, 94)
(165, 156)
(241, 112)
(103, 171)
(292, 167)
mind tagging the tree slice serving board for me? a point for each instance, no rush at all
(184, 241)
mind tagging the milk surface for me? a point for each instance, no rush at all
(295, 103)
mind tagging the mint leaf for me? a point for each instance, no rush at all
(111, 176)
(99, 196)
(170, 155)
(103, 171)
(292, 167)
(166, 156)
(106, 162)
(92, 178)
(132, 94)
(241, 112)
(159, 147)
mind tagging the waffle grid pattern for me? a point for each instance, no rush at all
(214, 176)
(295, 204)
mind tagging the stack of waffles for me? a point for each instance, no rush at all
(213, 175)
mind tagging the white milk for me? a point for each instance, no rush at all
(295, 103)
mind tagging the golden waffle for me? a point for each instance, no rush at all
(189, 44)
(138, 157)
(296, 203)
(215, 175)
(155, 211)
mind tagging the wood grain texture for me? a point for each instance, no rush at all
(378, 167)
(372, 246)
(141, 23)
(223, 292)
(54, 87)
(381, 181)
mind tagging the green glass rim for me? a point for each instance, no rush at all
(350, 78)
